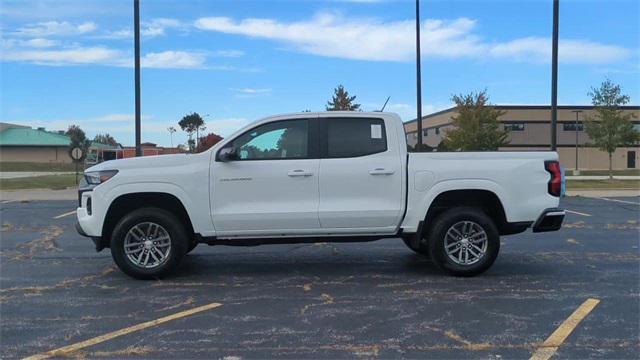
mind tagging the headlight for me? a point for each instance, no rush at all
(98, 177)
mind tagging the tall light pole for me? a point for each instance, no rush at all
(418, 80)
(577, 116)
(136, 35)
(554, 75)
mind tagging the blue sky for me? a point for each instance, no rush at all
(70, 62)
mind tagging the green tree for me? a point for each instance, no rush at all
(191, 123)
(78, 139)
(105, 139)
(207, 141)
(609, 127)
(342, 101)
(476, 125)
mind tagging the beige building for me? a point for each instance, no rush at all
(19, 143)
(529, 130)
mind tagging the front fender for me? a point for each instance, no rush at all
(197, 209)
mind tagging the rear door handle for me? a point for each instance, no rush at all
(294, 173)
(381, 171)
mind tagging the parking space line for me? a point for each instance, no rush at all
(620, 201)
(553, 342)
(63, 351)
(65, 214)
(577, 212)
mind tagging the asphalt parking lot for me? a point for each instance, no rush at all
(358, 300)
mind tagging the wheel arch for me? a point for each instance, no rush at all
(125, 203)
(486, 200)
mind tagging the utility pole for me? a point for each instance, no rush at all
(418, 80)
(136, 32)
(577, 171)
(554, 75)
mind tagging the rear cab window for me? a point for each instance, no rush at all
(353, 137)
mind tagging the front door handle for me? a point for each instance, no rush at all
(381, 171)
(294, 173)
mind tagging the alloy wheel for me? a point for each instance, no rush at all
(147, 245)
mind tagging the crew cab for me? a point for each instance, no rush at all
(310, 177)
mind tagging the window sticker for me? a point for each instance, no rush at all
(376, 131)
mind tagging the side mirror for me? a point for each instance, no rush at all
(228, 154)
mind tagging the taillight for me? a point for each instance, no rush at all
(555, 183)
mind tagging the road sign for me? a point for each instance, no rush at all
(76, 153)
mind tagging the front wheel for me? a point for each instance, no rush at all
(464, 241)
(148, 243)
(421, 249)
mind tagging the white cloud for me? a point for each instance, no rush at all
(152, 28)
(157, 27)
(117, 34)
(173, 59)
(31, 43)
(117, 118)
(569, 51)
(99, 55)
(251, 91)
(228, 53)
(332, 35)
(75, 56)
(40, 43)
(55, 28)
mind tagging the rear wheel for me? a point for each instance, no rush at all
(464, 241)
(148, 243)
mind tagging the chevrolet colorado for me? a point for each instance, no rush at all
(309, 177)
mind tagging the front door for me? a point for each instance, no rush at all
(631, 159)
(271, 187)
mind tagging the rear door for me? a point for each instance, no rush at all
(272, 188)
(360, 176)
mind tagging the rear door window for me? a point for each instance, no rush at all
(353, 137)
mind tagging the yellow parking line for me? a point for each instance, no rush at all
(577, 213)
(63, 351)
(553, 342)
(65, 214)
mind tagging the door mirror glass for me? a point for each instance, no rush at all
(228, 154)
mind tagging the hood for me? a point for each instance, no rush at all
(145, 161)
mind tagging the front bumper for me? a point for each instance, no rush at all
(89, 224)
(97, 241)
(549, 220)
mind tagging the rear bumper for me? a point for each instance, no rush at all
(549, 220)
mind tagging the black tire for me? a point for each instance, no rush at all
(192, 246)
(423, 249)
(451, 217)
(177, 234)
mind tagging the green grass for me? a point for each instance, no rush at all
(54, 182)
(602, 184)
(27, 166)
(627, 172)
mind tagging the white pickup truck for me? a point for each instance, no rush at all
(310, 177)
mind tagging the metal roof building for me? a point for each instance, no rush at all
(19, 143)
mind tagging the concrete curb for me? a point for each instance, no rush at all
(598, 177)
(604, 192)
(39, 194)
